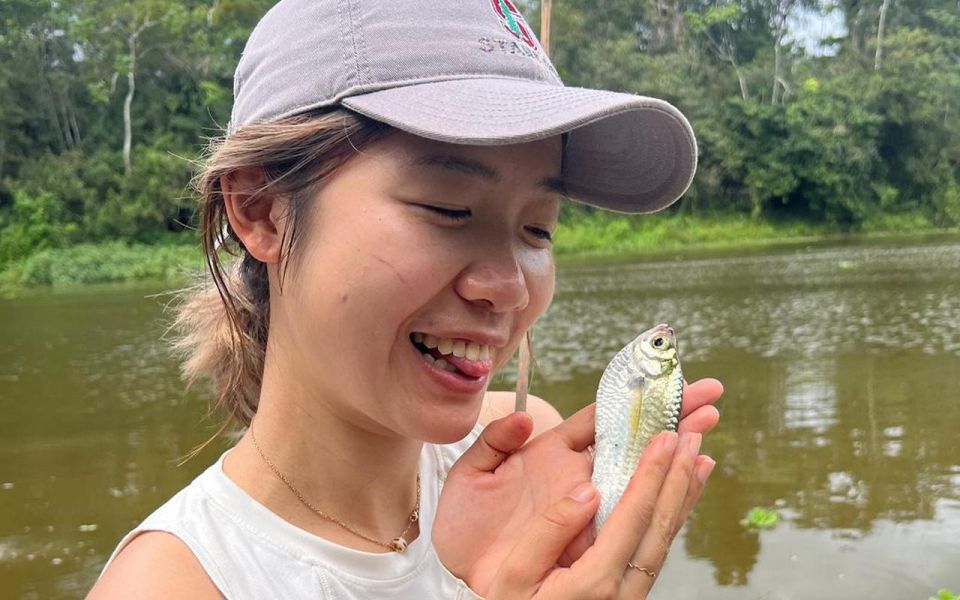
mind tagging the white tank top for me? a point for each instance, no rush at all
(250, 552)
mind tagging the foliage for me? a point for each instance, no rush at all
(762, 518)
(109, 262)
(861, 136)
(583, 232)
(945, 595)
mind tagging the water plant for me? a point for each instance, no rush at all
(761, 518)
(945, 595)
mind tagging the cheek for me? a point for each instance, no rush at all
(379, 271)
(540, 273)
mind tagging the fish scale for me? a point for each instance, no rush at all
(639, 395)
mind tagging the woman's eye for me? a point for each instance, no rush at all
(542, 234)
(447, 213)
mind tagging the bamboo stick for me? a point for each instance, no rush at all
(545, 6)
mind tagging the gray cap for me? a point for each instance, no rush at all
(464, 72)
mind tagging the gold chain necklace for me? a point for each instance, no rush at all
(397, 544)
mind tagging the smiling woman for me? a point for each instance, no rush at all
(392, 218)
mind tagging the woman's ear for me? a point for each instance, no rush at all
(257, 219)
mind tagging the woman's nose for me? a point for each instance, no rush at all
(496, 281)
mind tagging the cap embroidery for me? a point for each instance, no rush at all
(513, 21)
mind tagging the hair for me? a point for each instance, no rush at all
(222, 321)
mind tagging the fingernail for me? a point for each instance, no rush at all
(584, 492)
(704, 469)
(690, 442)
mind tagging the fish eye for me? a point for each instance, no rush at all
(658, 342)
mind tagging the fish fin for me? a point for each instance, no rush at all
(636, 413)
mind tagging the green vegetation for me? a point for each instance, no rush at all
(583, 232)
(172, 258)
(106, 105)
(945, 595)
(606, 234)
(761, 518)
(109, 262)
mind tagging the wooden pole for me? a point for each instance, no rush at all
(523, 374)
(545, 6)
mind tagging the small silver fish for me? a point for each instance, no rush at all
(639, 396)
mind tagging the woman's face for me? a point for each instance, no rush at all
(423, 266)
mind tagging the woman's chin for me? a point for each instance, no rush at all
(448, 430)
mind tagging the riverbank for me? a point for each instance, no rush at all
(604, 234)
(172, 261)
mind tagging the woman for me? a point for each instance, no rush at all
(391, 180)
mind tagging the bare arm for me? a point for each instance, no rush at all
(155, 565)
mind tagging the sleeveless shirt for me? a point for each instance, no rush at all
(249, 552)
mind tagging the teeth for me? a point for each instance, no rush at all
(459, 348)
(429, 358)
(473, 351)
(444, 365)
(445, 346)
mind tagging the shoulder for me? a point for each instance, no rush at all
(500, 404)
(155, 564)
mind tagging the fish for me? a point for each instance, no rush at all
(640, 394)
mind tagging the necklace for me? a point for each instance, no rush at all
(397, 544)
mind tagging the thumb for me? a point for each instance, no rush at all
(543, 541)
(498, 439)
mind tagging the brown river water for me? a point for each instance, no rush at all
(842, 408)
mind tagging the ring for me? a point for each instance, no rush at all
(649, 572)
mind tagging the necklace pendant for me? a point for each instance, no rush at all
(398, 544)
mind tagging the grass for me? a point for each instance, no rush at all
(110, 262)
(606, 234)
(580, 234)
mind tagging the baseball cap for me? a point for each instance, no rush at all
(464, 72)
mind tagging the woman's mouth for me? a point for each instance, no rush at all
(467, 360)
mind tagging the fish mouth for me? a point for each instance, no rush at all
(664, 328)
(463, 358)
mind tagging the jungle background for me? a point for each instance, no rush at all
(813, 118)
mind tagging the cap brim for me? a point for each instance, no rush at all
(625, 153)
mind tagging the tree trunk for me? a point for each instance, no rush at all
(878, 58)
(726, 50)
(666, 24)
(776, 70)
(47, 94)
(131, 87)
(784, 8)
(744, 92)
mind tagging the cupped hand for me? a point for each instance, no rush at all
(508, 507)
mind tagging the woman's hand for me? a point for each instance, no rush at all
(509, 524)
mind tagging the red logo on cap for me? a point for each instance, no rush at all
(513, 21)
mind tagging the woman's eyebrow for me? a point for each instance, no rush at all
(458, 164)
(475, 168)
(554, 185)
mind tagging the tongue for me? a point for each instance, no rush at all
(471, 368)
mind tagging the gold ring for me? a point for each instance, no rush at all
(649, 572)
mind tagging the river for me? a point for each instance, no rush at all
(842, 372)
